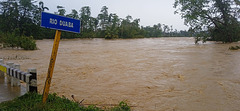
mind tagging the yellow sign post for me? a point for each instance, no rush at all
(51, 66)
(60, 23)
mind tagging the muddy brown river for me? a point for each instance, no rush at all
(154, 74)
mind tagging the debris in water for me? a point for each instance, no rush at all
(180, 77)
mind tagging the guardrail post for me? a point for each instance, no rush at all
(9, 71)
(1, 73)
(14, 80)
(33, 80)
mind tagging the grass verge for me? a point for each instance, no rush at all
(33, 102)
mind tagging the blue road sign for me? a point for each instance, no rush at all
(60, 23)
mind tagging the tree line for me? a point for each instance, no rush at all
(22, 18)
(216, 20)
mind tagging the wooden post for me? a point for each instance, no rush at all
(10, 64)
(1, 72)
(33, 80)
(51, 66)
(15, 81)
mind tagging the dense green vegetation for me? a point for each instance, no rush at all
(33, 102)
(216, 20)
(17, 41)
(23, 17)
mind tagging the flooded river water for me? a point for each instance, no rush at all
(155, 74)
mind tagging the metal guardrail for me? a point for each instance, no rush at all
(14, 75)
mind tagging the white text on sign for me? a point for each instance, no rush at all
(61, 23)
(53, 21)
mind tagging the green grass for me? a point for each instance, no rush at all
(33, 102)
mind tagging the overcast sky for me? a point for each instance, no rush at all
(150, 12)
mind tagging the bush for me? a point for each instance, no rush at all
(12, 40)
(122, 107)
(27, 43)
(111, 33)
(87, 34)
(234, 47)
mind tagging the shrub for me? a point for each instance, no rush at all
(12, 40)
(234, 47)
(121, 107)
(27, 43)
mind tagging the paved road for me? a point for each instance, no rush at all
(7, 92)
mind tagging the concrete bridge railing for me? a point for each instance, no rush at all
(15, 75)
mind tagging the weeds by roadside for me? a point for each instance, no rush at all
(33, 102)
